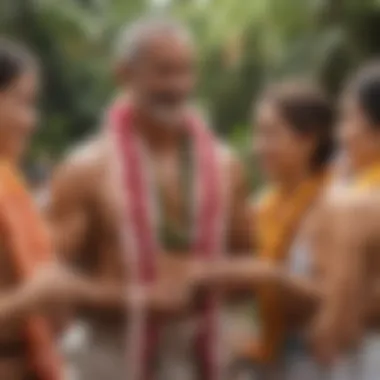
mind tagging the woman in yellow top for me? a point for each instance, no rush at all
(294, 144)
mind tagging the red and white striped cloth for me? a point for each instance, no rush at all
(141, 239)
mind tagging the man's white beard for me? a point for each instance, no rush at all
(170, 117)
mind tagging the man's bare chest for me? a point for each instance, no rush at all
(169, 192)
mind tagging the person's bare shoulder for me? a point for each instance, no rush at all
(358, 212)
(76, 175)
(351, 201)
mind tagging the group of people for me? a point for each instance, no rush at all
(148, 230)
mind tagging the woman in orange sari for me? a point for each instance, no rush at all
(24, 244)
(32, 283)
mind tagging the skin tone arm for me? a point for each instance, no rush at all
(66, 208)
(15, 304)
(352, 223)
(239, 274)
(55, 285)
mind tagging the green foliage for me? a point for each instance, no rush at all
(242, 47)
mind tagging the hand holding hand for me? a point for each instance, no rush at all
(54, 284)
(170, 296)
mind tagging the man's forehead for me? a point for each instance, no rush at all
(149, 36)
(166, 46)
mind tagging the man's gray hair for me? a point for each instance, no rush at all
(134, 36)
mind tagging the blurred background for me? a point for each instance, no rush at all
(242, 46)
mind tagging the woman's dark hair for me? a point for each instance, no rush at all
(365, 86)
(309, 112)
(14, 60)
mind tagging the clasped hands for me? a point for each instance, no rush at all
(178, 283)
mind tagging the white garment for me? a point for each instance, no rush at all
(94, 354)
(361, 364)
(176, 353)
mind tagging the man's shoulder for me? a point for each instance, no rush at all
(82, 164)
(86, 154)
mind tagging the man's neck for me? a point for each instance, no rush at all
(157, 136)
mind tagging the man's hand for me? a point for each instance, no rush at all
(48, 290)
(170, 296)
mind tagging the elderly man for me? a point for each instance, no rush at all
(153, 190)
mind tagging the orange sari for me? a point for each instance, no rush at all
(25, 239)
(279, 217)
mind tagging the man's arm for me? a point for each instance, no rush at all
(66, 208)
(54, 286)
(67, 211)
